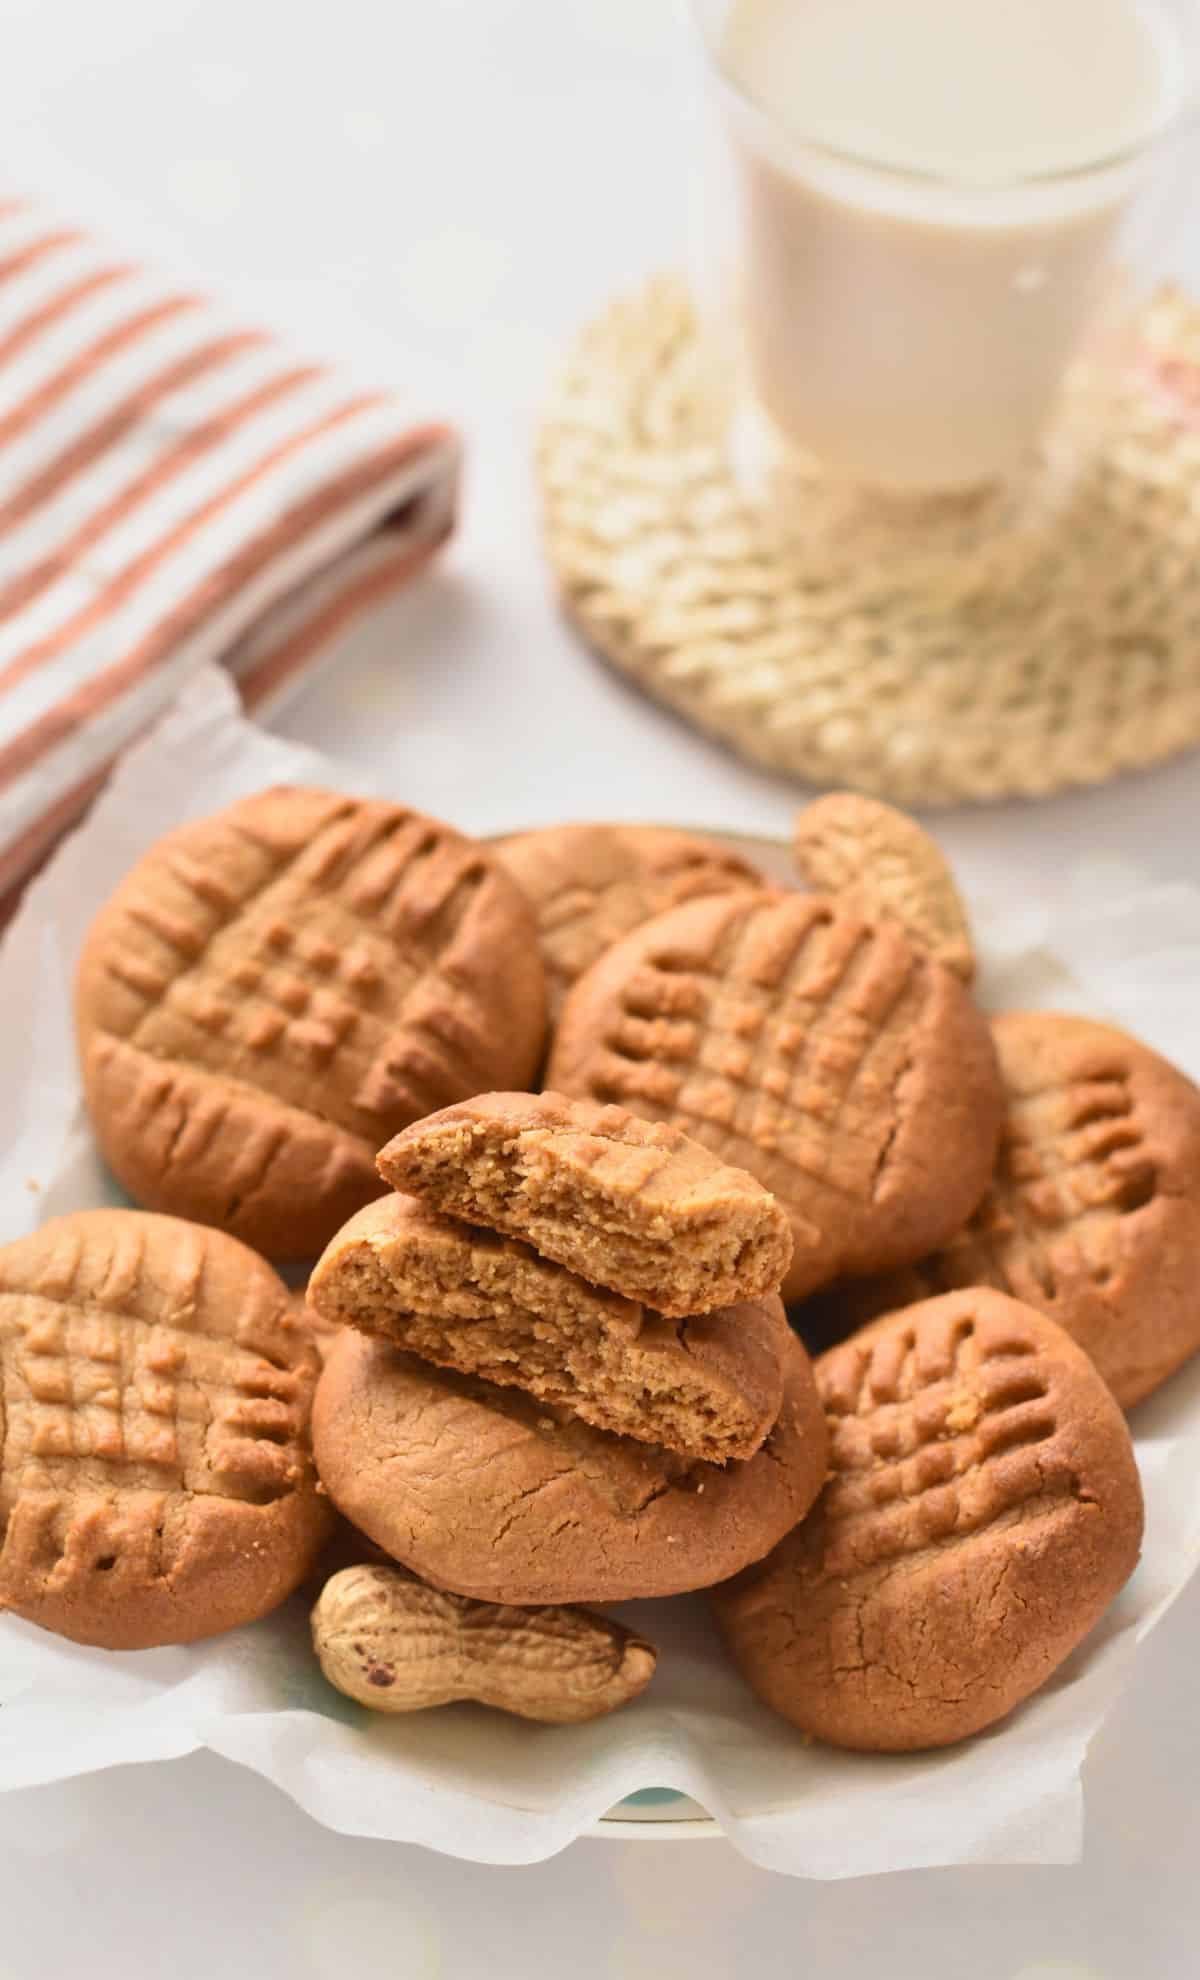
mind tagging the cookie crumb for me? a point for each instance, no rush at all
(963, 1411)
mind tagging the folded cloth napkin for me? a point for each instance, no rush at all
(174, 488)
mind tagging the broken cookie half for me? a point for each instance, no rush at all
(635, 1205)
(468, 1298)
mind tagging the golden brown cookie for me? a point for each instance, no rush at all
(272, 992)
(467, 1298)
(639, 1208)
(982, 1511)
(1093, 1215)
(878, 861)
(155, 1478)
(849, 1072)
(590, 884)
(491, 1493)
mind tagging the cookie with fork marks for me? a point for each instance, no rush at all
(982, 1510)
(1093, 1212)
(274, 991)
(156, 1483)
(590, 884)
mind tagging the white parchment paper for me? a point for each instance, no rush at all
(474, 1783)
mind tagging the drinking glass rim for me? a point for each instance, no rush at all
(1182, 114)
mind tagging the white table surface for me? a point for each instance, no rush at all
(439, 190)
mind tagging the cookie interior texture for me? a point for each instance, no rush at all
(1093, 1213)
(639, 1209)
(273, 991)
(982, 1510)
(852, 1075)
(493, 1493)
(157, 1484)
(467, 1298)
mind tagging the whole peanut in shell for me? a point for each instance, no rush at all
(392, 1643)
(880, 862)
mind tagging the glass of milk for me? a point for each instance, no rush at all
(937, 206)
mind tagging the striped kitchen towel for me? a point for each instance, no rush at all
(174, 488)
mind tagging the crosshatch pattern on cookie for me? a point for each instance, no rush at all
(123, 1403)
(1074, 1161)
(591, 884)
(982, 1510)
(790, 1039)
(1092, 1212)
(579, 915)
(339, 957)
(937, 1432)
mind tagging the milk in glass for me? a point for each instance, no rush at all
(929, 193)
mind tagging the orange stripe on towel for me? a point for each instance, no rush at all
(35, 251)
(116, 423)
(190, 447)
(127, 581)
(31, 409)
(213, 592)
(41, 318)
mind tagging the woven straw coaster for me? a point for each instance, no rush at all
(971, 657)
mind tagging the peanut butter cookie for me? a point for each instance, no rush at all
(272, 992)
(492, 1493)
(635, 1207)
(1093, 1214)
(982, 1511)
(466, 1298)
(155, 1478)
(590, 884)
(849, 1072)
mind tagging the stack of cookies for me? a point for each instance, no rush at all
(558, 1369)
(567, 1374)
